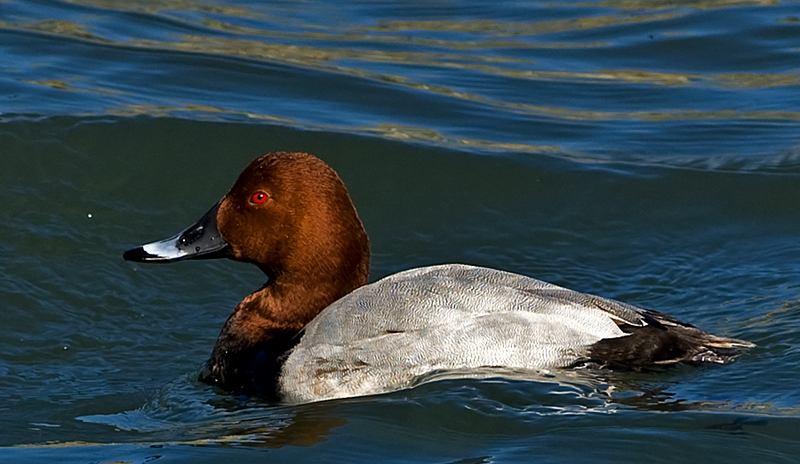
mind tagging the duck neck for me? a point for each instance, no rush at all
(291, 301)
(265, 325)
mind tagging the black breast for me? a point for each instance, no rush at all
(253, 369)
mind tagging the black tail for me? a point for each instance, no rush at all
(664, 341)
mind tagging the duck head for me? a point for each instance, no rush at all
(288, 213)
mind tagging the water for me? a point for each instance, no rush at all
(646, 151)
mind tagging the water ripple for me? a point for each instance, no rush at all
(646, 151)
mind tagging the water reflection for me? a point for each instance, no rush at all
(161, 6)
(186, 412)
(621, 87)
(324, 53)
(491, 72)
(520, 28)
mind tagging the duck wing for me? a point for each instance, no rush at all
(446, 295)
(386, 335)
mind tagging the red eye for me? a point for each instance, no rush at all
(259, 198)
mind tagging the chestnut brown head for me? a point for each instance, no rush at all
(288, 213)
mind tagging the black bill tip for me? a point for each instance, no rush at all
(138, 255)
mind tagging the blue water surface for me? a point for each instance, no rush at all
(647, 151)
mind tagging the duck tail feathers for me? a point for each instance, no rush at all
(720, 350)
(663, 340)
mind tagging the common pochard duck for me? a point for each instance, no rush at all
(317, 330)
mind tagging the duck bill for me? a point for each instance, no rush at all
(199, 241)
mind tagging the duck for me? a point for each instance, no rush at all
(317, 330)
